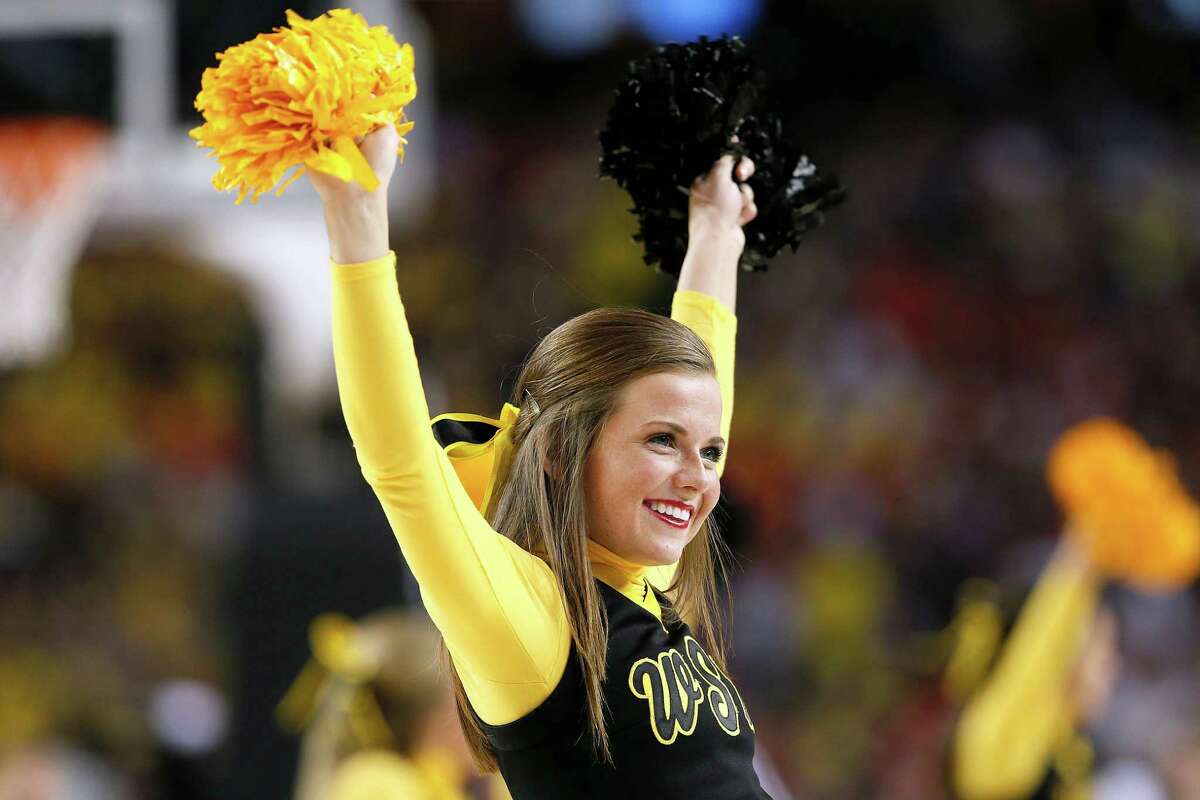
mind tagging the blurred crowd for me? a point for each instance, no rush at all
(1019, 252)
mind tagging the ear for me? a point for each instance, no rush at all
(550, 469)
(554, 463)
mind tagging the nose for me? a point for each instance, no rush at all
(691, 473)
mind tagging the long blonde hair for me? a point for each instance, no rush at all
(567, 390)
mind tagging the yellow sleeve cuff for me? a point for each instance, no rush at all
(363, 268)
(705, 304)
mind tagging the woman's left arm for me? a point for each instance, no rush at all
(719, 204)
(706, 297)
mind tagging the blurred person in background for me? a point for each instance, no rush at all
(1129, 520)
(1019, 734)
(378, 716)
(59, 738)
(59, 771)
(1182, 769)
(568, 606)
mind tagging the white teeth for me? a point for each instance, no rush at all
(681, 514)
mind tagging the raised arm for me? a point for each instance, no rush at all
(719, 204)
(706, 295)
(1008, 732)
(496, 605)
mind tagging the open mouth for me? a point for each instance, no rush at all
(664, 513)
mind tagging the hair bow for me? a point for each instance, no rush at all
(480, 450)
(340, 660)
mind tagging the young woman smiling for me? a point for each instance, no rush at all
(565, 550)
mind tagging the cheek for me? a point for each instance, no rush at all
(617, 481)
(647, 475)
(629, 483)
(711, 497)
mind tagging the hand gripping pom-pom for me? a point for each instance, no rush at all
(299, 97)
(1125, 506)
(676, 113)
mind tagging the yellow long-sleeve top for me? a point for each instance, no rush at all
(497, 606)
(1009, 731)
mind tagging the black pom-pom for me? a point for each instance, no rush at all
(676, 113)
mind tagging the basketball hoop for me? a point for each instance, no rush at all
(51, 175)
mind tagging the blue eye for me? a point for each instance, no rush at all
(712, 454)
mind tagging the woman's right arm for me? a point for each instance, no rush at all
(497, 606)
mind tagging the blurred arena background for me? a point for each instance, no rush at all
(179, 496)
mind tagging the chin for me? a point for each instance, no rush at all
(663, 556)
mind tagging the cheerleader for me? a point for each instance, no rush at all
(377, 717)
(1019, 734)
(565, 550)
(1128, 518)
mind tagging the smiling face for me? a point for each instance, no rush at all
(651, 476)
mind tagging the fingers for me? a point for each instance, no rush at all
(745, 169)
(721, 167)
(725, 187)
(380, 140)
(724, 166)
(378, 148)
(749, 210)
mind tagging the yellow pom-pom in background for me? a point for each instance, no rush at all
(1125, 505)
(299, 97)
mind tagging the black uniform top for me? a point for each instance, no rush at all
(677, 726)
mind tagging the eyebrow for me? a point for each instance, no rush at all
(680, 429)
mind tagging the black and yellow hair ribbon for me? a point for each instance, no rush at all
(340, 661)
(480, 450)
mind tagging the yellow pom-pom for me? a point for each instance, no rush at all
(299, 97)
(1125, 506)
